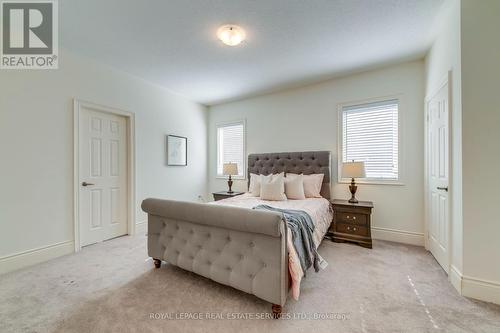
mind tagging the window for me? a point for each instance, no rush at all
(370, 134)
(231, 146)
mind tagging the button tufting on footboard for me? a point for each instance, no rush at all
(248, 261)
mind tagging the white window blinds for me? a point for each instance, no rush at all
(230, 146)
(370, 134)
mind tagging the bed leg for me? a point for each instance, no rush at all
(157, 263)
(277, 311)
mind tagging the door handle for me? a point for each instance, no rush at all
(443, 188)
(87, 184)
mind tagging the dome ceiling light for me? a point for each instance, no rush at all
(231, 35)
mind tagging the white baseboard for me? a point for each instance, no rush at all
(141, 227)
(23, 259)
(27, 258)
(456, 278)
(399, 236)
(488, 291)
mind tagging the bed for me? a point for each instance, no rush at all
(233, 244)
(321, 214)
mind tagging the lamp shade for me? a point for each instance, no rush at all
(353, 170)
(230, 169)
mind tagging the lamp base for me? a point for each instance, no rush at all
(352, 189)
(230, 184)
(353, 200)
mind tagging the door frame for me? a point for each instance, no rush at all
(78, 104)
(447, 79)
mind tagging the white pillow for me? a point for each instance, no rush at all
(273, 188)
(312, 185)
(254, 187)
(294, 186)
(255, 180)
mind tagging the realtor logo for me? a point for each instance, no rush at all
(29, 34)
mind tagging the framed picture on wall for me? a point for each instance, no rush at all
(176, 150)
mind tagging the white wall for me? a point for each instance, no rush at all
(444, 56)
(307, 119)
(467, 44)
(481, 153)
(36, 147)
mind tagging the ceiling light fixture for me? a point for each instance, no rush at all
(231, 35)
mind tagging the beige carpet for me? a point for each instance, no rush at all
(112, 287)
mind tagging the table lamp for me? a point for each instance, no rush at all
(230, 169)
(353, 170)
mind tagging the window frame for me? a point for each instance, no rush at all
(400, 181)
(225, 124)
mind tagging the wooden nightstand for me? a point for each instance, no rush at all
(225, 194)
(351, 222)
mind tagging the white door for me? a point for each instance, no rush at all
(102, 176)
(438, 171)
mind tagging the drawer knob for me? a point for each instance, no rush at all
(354, 228)
(348, 216)
(354, 217)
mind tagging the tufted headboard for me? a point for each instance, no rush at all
(308, 162)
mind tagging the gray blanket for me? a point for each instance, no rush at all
(302, 228)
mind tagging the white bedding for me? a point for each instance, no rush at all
(318, 208)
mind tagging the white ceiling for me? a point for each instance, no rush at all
(289, 42)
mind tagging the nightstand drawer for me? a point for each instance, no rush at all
(352, 229)
(351, 218)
